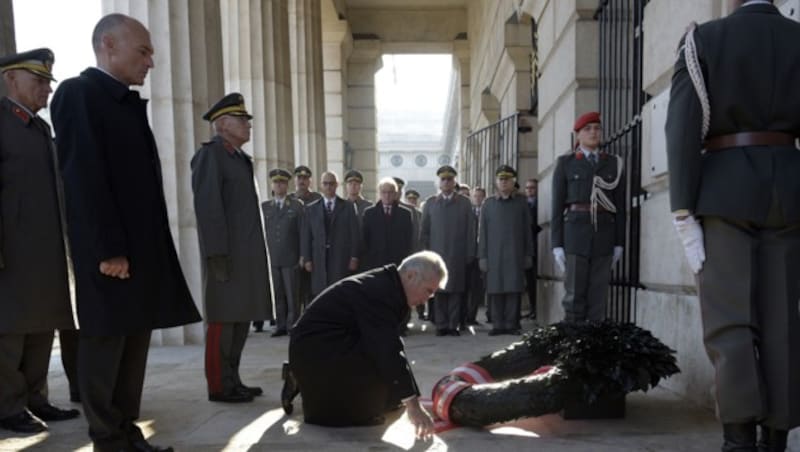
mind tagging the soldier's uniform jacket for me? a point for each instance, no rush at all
(34, 291)
(448, 229)
(505, 240)
(573, 230)
(307, 198)
(283, 230)
(361, 205)
(229, 224)
(329, 248)
(738, 182)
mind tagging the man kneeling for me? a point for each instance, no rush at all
(345, 355)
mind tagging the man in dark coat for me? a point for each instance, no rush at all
(34, 283)
(283, 219)
(331, 240)
(386, 230)
(128, 279)
(234, 257)
(448, 229)
(416, 214)
(505, 250)
(345, 354)
(737, 212)
(588, 226)
(531, 195)
(476, 284)
(353, 181)
(302, 184)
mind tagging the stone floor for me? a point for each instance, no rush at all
(175, 411)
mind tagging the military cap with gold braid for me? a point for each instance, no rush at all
(353, 175)
(232, 104)
(279, 175)
(412, 194)
(38, 62)
(446, 171)
(302, 170)
(505, 172)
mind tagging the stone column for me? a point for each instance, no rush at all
(362, 130)
(186, 79)
(7, 41)
(305, 37)
(255, 41)
(461, 67)
(337, 43)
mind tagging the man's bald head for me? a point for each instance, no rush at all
(123, 48)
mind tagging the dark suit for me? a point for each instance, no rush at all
(346, 354)
(588, 249)
(530, 274)
(749, 201)
(329, 241)
(386, 239)
(116, 207)
(476, 289)
(303, 277)
(283, 228)
(34, 289)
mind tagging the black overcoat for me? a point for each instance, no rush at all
(386, 239)
(116, 207)
(330, 247)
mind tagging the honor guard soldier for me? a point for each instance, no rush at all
(505, 250)
(236, 275)
(448, 229)
(283, 219)
(588, 228)
(732, 128)
(34, 279)
(353, 181)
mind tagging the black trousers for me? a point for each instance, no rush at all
(69, 359)
(24, 361)
(111, 376)
(530, 287)
(476, 292)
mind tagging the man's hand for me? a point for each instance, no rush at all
(528, 262)
(420, 419)
(560, 258)
(116, 267)
(483, 265)
(690, 232)
(353, 265)
(617, 255)
(308, 266)
(219, 268)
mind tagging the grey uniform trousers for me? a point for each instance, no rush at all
(505, 310)
(749, 289)
(448, 310)
(287, 303)
(24, 360)
(586, 285)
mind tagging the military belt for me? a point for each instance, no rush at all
(742, 139)
(585, 208)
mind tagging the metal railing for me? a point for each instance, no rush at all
(488, 148)
(621, 101)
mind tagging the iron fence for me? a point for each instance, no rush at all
(488, 148)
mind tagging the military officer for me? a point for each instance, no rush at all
(412, 198)
(416, 214)
(448, 230)
(33, 262)
(282, 221)
(330, 243)
(588, 228)
(531, 195)
(505, 250)
(353, 181)
(302, 183)
(236, 275)
(737, 211)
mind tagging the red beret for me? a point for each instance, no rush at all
(586, 118)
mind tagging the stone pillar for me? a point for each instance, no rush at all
(186, 79)
(337, 43)
(362, 130)
(7, 41)
(305, 38)
(462, 68)
(255, 40)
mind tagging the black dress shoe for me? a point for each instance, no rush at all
(279, 333)
(444, 332)
(516, 332)
(141, 445)
(496, 332)
(290, 389)
(739, 437)
(772, 440)
(23, 423)
(455, 333)
(235, 396)
(48, 412)
(255, 390)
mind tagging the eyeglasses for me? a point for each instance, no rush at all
(329, 182)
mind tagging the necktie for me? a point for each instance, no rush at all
(387, 210)
(593, 159)
(280, 205)
(329, 206)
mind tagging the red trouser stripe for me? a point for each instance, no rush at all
(213, 358)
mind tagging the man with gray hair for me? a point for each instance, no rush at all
(347, 340)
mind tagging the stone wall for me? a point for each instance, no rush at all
(7, 41)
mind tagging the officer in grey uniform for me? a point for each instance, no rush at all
(505, 250)
(737, 212)
(34, 287)
(283, 218)
(448, 229)
(302, 184)
(353, 181)
(588, 226)
(235, 271)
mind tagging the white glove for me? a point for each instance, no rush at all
(617, 255)
(690, 232)
(483, 265)
(560, 258)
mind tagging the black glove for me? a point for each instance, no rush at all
(218, 267)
